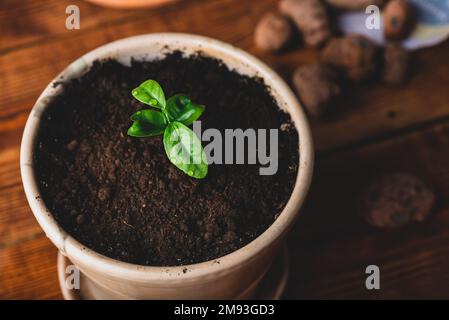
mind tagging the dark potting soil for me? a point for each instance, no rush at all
(121, 197)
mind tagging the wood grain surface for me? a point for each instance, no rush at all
(377, 130)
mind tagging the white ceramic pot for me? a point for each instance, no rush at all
(224, 278)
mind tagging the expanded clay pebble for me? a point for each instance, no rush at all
(354, 4)
(399, 19)
(395, 64)
(273, 32)
(310, 17)
(354, 55)
(317, 87)
(396, 199)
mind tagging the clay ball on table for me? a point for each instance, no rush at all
(273, 32)
(396, 199)
(399, 19)
(310, 16)
(317, 87)
(354, 55)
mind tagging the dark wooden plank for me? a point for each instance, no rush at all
(373, 110)
(331, 246)
(28, 270)
(24, 73)
(17, 222)
(29, 21)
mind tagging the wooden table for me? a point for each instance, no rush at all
(378, 130)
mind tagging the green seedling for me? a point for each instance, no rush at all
(171, 119)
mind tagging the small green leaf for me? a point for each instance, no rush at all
(184, 150)
(153, 117)
(151, 93)
(147, 123)
(180, 108)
